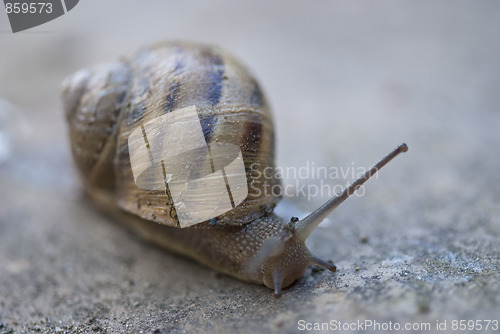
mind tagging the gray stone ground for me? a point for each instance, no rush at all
(348, 81)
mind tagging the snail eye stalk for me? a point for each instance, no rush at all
(304, 227)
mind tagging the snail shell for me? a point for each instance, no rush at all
(106, 104)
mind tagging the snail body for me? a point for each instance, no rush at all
(105, 105)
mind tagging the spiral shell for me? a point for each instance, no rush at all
(106, 104)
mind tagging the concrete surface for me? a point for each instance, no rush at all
(347, 81)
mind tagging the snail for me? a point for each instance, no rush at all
(119, 115)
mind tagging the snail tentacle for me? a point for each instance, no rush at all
(304, 227)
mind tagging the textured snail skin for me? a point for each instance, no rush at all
(104, 105)
(265, 251)
(237, 251)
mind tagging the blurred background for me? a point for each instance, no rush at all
(347, 82)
